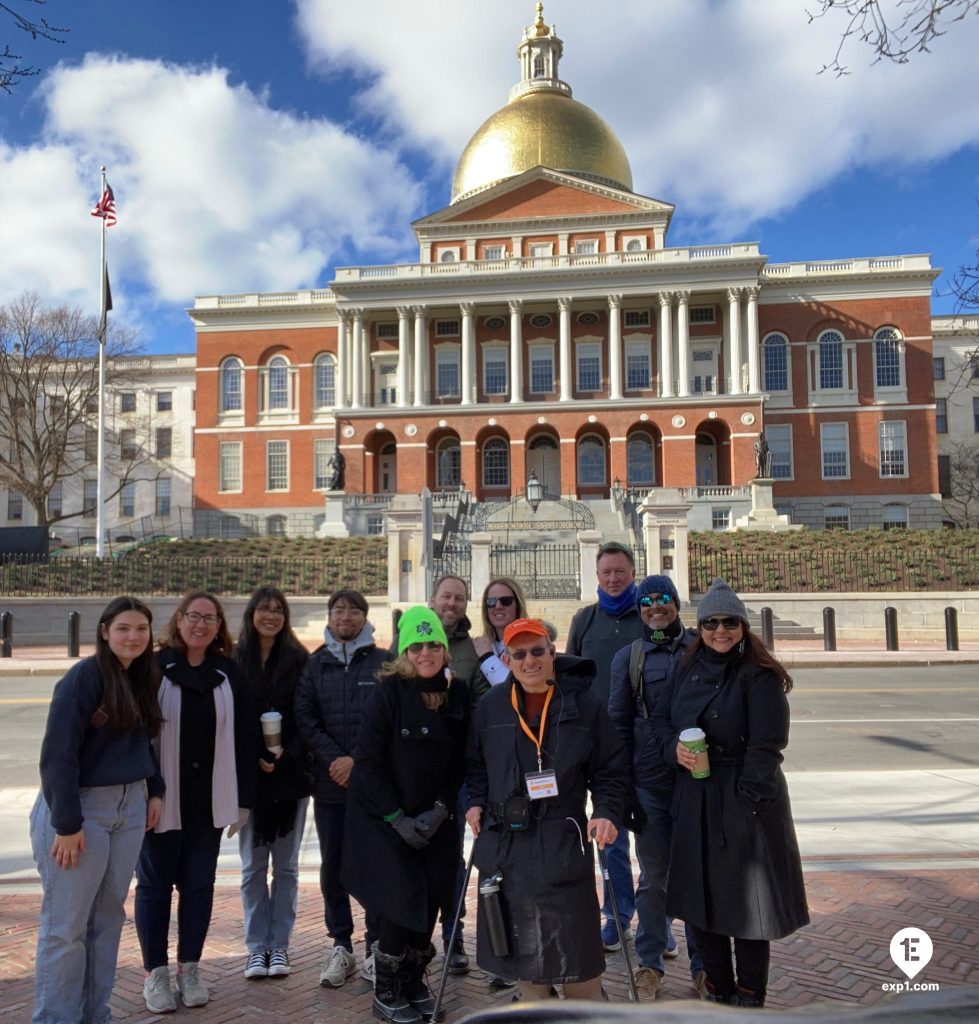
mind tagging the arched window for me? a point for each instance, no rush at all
(448, 463)
(496, 463)
(447, 256)
(634, 245)
(324, 381)
(278, 383)
(830, 360)
(640, 463)
(275, 526)
(887, 357)
(591, 461)
(538, 68)
(231, 384)
(775, 349)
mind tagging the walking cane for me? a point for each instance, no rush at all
(603, 861)
(437, 1011)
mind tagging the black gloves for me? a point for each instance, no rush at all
(427, 823)
(407, 828)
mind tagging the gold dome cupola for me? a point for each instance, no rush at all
(541, 126)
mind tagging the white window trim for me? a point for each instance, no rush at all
(892, 392)
(278, 490)
(232, 416)
(442, 354)
(585, 247)
(489, 251)
(533, 347)
(880, 450)
(496, 351)
(643, 346)
(320, 410)
(777, 398)
(290, 413)
(454, 252)
(317, 441)
(788, 427)
(641, 239)
(535, 254)
(222, 445)
(496, 442)
(847, 394)
(849, 460)
(583, 346)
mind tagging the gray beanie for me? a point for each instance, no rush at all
(721, 600)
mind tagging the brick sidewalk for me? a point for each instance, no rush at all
(843, 956)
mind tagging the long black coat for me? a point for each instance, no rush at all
(407, 757)
(734, 866)
(548, 890)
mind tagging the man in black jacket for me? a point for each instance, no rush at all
(333, 690)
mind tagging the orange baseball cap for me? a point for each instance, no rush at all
(520, 626)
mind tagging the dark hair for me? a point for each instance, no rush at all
(514, 587)
(352, 597)
(614, 547)
(449, 576)
(755, 653)
(248, 650)
(170, 636)
(130, 697)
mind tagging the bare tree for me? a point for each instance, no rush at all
(11, 69)
(962, 502)
(49, 393)
(907, 28)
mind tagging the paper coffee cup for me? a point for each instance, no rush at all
(695, 740)
(272, 731)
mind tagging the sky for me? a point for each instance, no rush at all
(255, 145)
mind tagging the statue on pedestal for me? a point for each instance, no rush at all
(763, 457)
(337, 466)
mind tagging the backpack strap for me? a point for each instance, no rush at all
(637, 658)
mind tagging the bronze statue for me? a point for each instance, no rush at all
(338, 465)
(763, 456)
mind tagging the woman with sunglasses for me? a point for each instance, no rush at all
(208, 751)
(735, 871)
(401, 844)
(272, 658)
(503, 601)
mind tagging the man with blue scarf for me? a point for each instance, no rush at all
(599, 631)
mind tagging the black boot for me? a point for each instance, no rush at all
(390, 1003)
(413, 984)
(748, 997)
(711, 994)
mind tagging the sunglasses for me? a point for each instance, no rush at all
(427, 645)
(534, 652)
(729, 623)
(649, 601)
(503, 602)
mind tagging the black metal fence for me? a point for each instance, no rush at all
(453, 556)
(544, 570)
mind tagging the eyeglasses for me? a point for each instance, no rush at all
(728, 623)
(534, 652)
(503, 602)
(427, 645)
(195, 618)
(649, 601)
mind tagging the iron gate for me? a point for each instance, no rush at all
(543, 570)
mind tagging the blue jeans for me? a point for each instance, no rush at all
(653, 850)
(270, 912)
(185, 858)
(620, 876)
(83, 908)
(330, 825)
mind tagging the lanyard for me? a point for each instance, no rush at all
(538, 741)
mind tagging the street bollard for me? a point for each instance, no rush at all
(890, 628)
(951, 629)
(74, 633)
(768, 627)
(829, 629)
(6, 635)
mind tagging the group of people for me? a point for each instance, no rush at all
(151, 754)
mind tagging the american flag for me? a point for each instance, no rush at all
(106, 207)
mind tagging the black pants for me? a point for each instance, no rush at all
(751, 956)
(393, 939)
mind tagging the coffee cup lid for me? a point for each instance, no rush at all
(272, 716)
(689, 735)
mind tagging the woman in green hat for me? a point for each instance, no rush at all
(401, 844)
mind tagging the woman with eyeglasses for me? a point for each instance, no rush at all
(401, 844)
(208, 751)
(272, 658)
(735, 870)
(503, 601)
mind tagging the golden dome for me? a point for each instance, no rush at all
(541, 129)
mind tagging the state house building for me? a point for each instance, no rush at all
(550, 326)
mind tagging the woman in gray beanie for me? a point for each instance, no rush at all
(735, 870)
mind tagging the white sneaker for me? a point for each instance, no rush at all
(192, 990)
(157, 991)
(258, 964)
(367, 968)
(278, 963)
(341, 965)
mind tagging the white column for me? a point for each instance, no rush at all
(567, 370)
(665, 345)
(404, 312)
(615, 346)
(754, 353)
(421, 356)
(683, 341)
(468, 382)
(343, 324)
(734, 329)
(516, 350)
(357, 396)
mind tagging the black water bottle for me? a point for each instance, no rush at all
(491, 907)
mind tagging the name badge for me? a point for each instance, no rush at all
(541, 785)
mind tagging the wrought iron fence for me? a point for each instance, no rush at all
(453, 556)
(544, 570)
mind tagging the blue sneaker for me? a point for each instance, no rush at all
(610, 936)
(671, 951)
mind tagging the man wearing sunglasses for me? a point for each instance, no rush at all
(639, 685)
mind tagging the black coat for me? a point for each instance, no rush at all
(549, 897)
(330, 701)
(735, 867)
(408, 757)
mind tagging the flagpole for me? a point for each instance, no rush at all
(103, 324)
